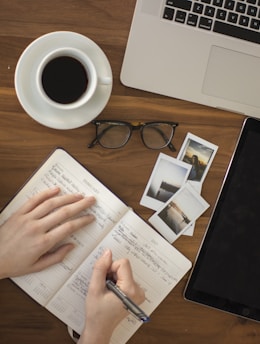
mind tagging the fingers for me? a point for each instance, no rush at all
(38, 199)
(56, 216)
(47, 201)
(52, 209)
(122, 270)
(67, 228)
(60, 202)
(52, 258)
(100, 271)
(53, 203)
(125, 280)
(67, 207)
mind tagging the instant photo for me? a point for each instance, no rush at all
(178, 213)
(199, 154)
(168, 176)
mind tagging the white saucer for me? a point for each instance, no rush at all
(25, 81)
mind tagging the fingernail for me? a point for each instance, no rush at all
(91, 217)
(55, 188)
(79, 196)
(91, 199)
(106, 252)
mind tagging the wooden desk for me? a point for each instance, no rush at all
(25, 143)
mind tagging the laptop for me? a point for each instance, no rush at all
(203, 51)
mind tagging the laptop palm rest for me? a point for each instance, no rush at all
(231, 74)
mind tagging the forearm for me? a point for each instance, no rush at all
(104, 310)
(95, 337)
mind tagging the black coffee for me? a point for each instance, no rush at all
(64, 79)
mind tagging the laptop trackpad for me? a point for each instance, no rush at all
(233, 76)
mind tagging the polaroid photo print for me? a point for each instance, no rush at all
(168, 176)
(199, 154)
(190, 230)
(179, 213)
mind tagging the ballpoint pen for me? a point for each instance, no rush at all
(135, 310)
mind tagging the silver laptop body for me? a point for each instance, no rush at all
(167, 56)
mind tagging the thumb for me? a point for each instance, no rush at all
(100, 271)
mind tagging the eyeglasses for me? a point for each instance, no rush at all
(116, 134)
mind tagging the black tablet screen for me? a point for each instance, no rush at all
(227, 271)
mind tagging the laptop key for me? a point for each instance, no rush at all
(241, 7)
(168, 13)
(180, 16)
(229, 4)
(198, 8)
(182, 4)
(244, 21)
(218, 3)
(237, 32)
(192, 19)
(255, 24)
(252, 11)
(232, 17)
(205, 23)
(221, 14)
(209, 11)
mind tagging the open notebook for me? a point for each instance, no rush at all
(157, 266)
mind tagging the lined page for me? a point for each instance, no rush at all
(62, 170)
(157, 267)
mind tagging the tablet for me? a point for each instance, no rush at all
(226, 273)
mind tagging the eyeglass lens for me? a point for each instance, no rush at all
(113, 135)
(157, 135)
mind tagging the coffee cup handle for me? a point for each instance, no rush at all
(107, 80)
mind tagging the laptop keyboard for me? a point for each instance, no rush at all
(240, 19)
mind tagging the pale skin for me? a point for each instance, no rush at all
(28, 236)
(104, 310)
(26, 242)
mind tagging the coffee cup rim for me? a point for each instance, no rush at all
(84, 59)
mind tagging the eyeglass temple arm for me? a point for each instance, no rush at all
(171, 146)
(93, 143)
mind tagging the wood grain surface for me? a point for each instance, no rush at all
(24, 143)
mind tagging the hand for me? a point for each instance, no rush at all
(29, 235)
(104, 310)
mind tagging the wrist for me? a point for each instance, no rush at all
(3, 272)
(90, 336)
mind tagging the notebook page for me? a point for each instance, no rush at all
(61, 169)
(157, 267)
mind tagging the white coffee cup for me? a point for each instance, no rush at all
(67, 79)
